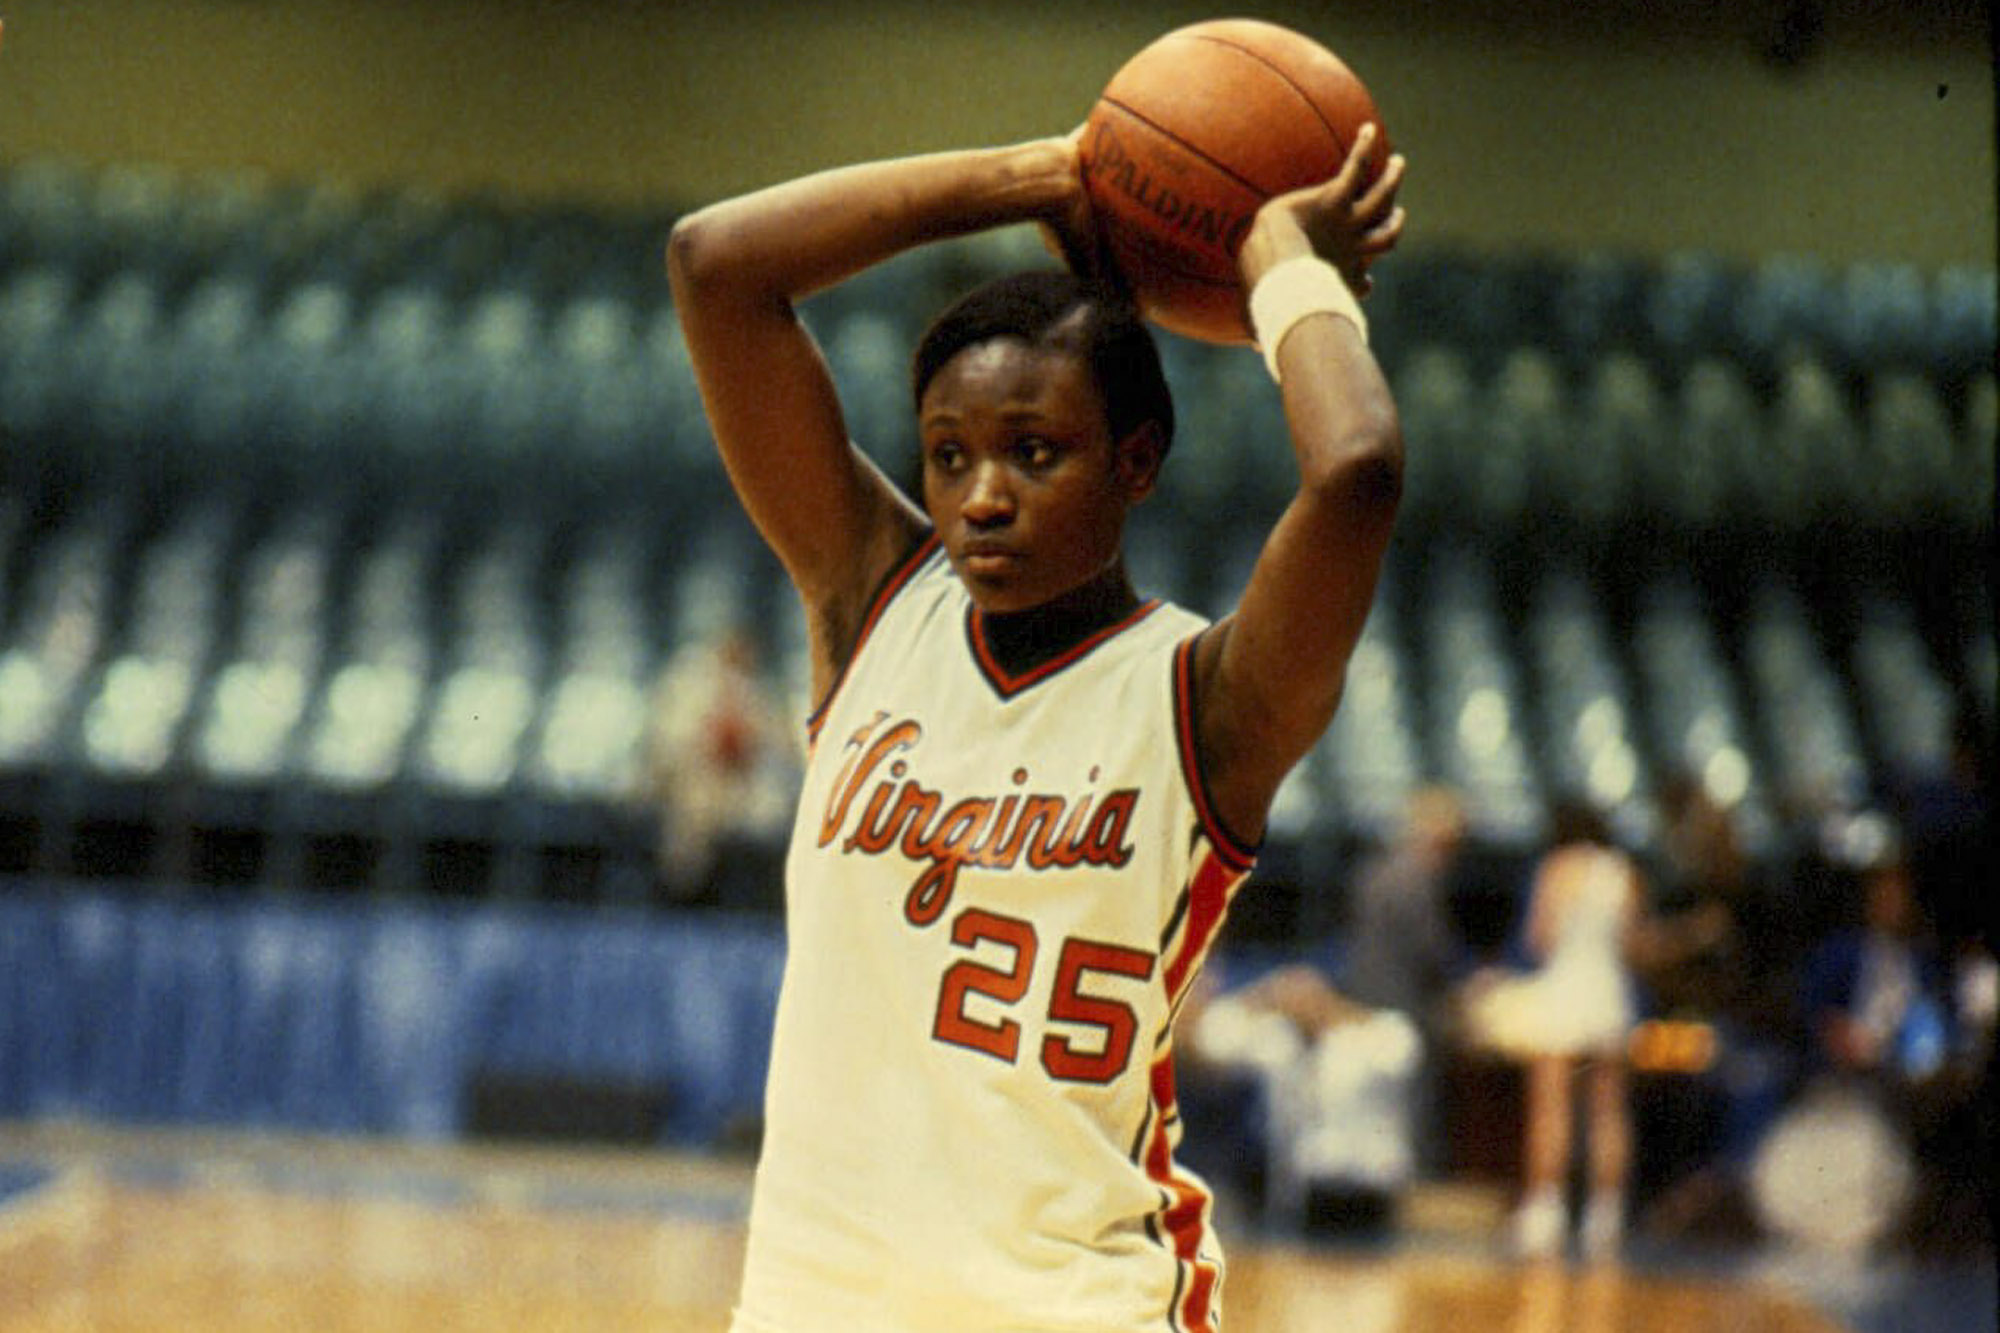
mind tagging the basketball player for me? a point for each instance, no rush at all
(1031, 791)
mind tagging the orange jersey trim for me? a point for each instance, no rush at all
(1208, 895)
(1182, 1219)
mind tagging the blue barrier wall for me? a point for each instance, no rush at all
(369, 1019)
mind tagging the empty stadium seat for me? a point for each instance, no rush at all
(36, 308)
(1785, 306)
(1523, 440)
(1812, 464)
(1623, 432)
(1701, 481)
(1881, 317)
(1685, 309)
(1973, 458)
(1694, 712)
(257, 697)
(492, 663)
(1963, 322)
(1906, 702)
(362, 720)
(1907, 455)
(1371, 759)
(61, 627)
(1800, 705)
(1436, 400)
(132, 724)
(1475, 703)
(1586, 724)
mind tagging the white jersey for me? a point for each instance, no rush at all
(999, 888)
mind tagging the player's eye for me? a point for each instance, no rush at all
(1034, 453)
(946, 455)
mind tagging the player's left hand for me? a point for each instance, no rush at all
(1349, 221)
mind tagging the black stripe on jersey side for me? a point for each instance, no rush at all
(892, 583)
(1174, 922)
(1007, 686)
(1235, 853)
(1181, 1270)
(1138, 1152)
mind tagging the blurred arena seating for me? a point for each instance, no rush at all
(343, 535)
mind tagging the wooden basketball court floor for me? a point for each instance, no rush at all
(118, 1231)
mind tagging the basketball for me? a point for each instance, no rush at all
(1191, 136)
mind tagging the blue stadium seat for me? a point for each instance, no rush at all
(49, 205)
(1800, 705)
(321, 437)
(37, 386)
(247, 724)
(1686, 308)
(362, 721)
(868, 353)
(1623, 428)
(62, 625)
(1964, 326)
(1476, 708)
(133, 721)
(1908, 453)
(1784, 307)
(1371, 759)
(1694, 719)
(1812, 465)
(1701, 480)
(1905, 701)
(1881, 318)
(1597, 307)
(218, 383)
(1437, 400)
(491, 668)
(1973, 456)
(1525, 435)
(1585, 714)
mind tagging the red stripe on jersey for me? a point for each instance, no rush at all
(1184, 1216)
(1008, 686)
(892, 585)
(1209, 891)
(1184, 728)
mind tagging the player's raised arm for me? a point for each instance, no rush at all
(1269, 676)
(739, 267)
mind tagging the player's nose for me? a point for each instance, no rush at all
(989, 500)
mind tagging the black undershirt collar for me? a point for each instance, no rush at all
(1021, 641)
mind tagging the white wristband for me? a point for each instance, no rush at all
(1289, 291)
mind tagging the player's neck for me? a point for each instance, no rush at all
(1020, 641)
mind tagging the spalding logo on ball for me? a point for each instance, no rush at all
(1191, 136)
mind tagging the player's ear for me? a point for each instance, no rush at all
(1137, 460)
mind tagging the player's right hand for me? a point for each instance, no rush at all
(1073, 235)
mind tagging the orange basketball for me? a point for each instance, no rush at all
(1195, 132)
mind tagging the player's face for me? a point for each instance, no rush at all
(1021, 476)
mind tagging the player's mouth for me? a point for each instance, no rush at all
(988, 558)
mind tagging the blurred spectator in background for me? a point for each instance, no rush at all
(1572, 1010)
(1339, 1054)
(1725, 955)
(1401, 947)
(1875, 994)
(722, 766)
(1946, 816)
(1896, 1020)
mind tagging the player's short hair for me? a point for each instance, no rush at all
(1113, 339)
